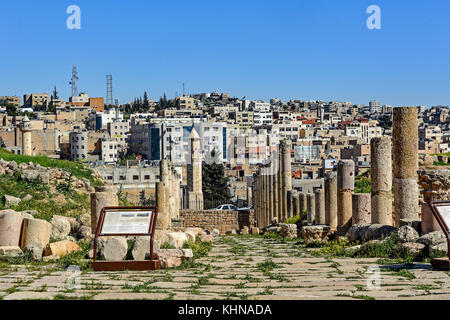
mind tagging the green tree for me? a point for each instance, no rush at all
(214, 182)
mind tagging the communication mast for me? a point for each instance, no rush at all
(109, 93)
(74, 81)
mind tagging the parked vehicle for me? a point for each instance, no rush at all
(227, 207)
(250, 207)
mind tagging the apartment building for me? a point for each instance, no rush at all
(36, 99)
(12, 100)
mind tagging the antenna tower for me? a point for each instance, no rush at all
(74, 81)
(109, 93)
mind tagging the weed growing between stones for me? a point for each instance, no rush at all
(76, 258)
(267, 266)
(199, 249)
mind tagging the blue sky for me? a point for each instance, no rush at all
(315, 49)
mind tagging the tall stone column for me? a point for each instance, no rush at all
(105, 196)
(280, 185)
(405, 149)
(345, 186)
(286, 175)
(331, 200)
(26, 137)
(311, 203)
(361, 208)
(271, 197)
(381, 180)
(164, 220)
(303, 203)
(267, 198)
(320, 206)
(195, 194)
(297, 209)
(275, 188)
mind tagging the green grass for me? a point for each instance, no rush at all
(43, 200)
(362, 183)
(199, 249)
(77, 169)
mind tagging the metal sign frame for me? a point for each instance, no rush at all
(441, 264)
(102, 265)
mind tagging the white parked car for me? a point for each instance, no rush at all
(227, 207)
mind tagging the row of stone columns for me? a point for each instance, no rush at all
(337, 205)
(272, 189)
(168, 195)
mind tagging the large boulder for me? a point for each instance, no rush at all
(60, 227)
(177, 239)
(196, 231)
(84, 233)
(61, 248)
(433, 238)
(273, 229)
(114, 249)
(357, 232)
(413, 248)
(407, 234)
(10, 251)
(35, 231)
(289, 230)
(10, 228)
(439, 248)
(141, 248)
(378, 232)
(315, 233)
(34, 250)
(170, 258)
(206, 238)
(10, 201)
(416, 224)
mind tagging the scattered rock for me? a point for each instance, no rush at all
(177, 239)
(215, 233)
(413, 248)
(35, 231)
(433, 238)
(141, 248)
(10, 251)
(34, 250)
(289, 230)
(407, 234)
(441, 247)
(206, 238)
(84, 219)
(378, 231)
(352, 249)
(232, 231)
(315, 233)
(114, 249)
(173, 257)
(195, 231)
(244, 230)
(28, 197)
(60, 227)
(10, 228)
(84, 233)
(51, 258)
(254, 230)
(357, 232)
(10, 201)
(61, 248)
(413, 223)
(191, 235)
(273, 229)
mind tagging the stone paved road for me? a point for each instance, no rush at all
(238, 268)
